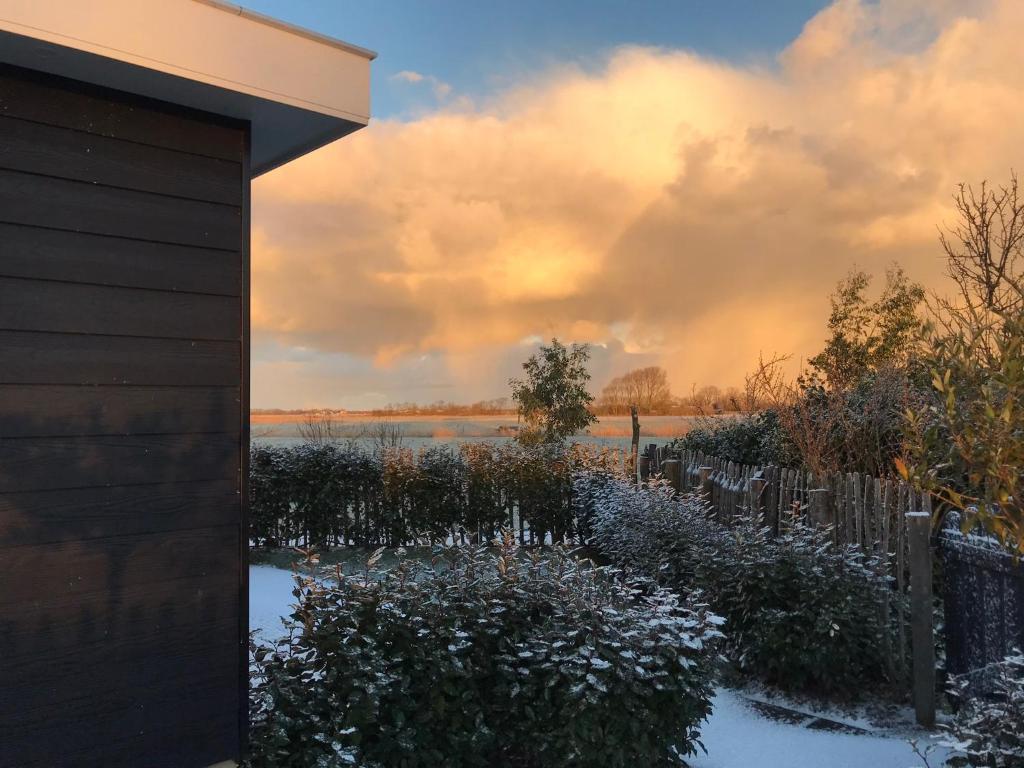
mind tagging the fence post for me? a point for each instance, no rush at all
(757, 498)
(644, 467)
(919, 527)
(706, 484)
(819, 506)
(634, 446)
(672, 470)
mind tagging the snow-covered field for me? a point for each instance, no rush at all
(736, 736)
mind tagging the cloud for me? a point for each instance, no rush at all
(440, 89)
(690, 211)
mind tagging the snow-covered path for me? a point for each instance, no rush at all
(270, 598)
(736, 736)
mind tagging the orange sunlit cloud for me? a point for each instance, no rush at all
(689, 211)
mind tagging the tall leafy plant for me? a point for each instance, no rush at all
(552, 399)
(966, 446)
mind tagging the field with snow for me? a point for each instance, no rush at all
(737, 734)
(425, 431)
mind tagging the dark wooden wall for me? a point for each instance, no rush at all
(123, 429)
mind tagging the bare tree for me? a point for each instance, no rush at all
(732, 399)
(767, 386)
(386, 435)
(647, 388)
(985, 259)
(706, 399)
(319, 427)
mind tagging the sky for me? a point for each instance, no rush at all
(675, 183)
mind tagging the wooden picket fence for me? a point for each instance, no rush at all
(884, 517)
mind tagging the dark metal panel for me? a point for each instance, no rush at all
(116, 672)
(243, 416)
(103, 566)
(123, 427)
(983, 600)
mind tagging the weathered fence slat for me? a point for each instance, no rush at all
(919, 537)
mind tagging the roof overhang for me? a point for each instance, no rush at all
(300, 90)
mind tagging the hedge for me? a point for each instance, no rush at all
(338, 494)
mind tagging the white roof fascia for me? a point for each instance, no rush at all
(298, 88)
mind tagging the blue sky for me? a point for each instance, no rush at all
(476, 47)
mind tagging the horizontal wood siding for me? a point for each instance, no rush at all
(93, 208)
(36, 305)
(49, 517)
(63, 410)
(51, 254)
(123, 343)
(90, 360)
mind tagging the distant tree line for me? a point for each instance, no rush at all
(495, 406)
(648, 389)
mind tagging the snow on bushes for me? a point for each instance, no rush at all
(989, 727)
(481, 659)
(802, 614)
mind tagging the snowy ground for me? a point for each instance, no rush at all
(270, 598)
(736, 736)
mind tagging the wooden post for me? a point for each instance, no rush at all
(634, 448)
(818, 503)
(919, 527)
(672, 470)
(644, 467)
(706, 484)
(758, 498)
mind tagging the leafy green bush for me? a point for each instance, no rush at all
(484, 659)
(988, 730)
(859, 429)
(967, 444)
(757, 440)
(801, 613)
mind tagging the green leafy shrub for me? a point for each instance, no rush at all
(333, 494)
(484, 659)
(316, 493)
(988, 731)
(801, 613)
(967, 444)
(552, 399)
(756, 440)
